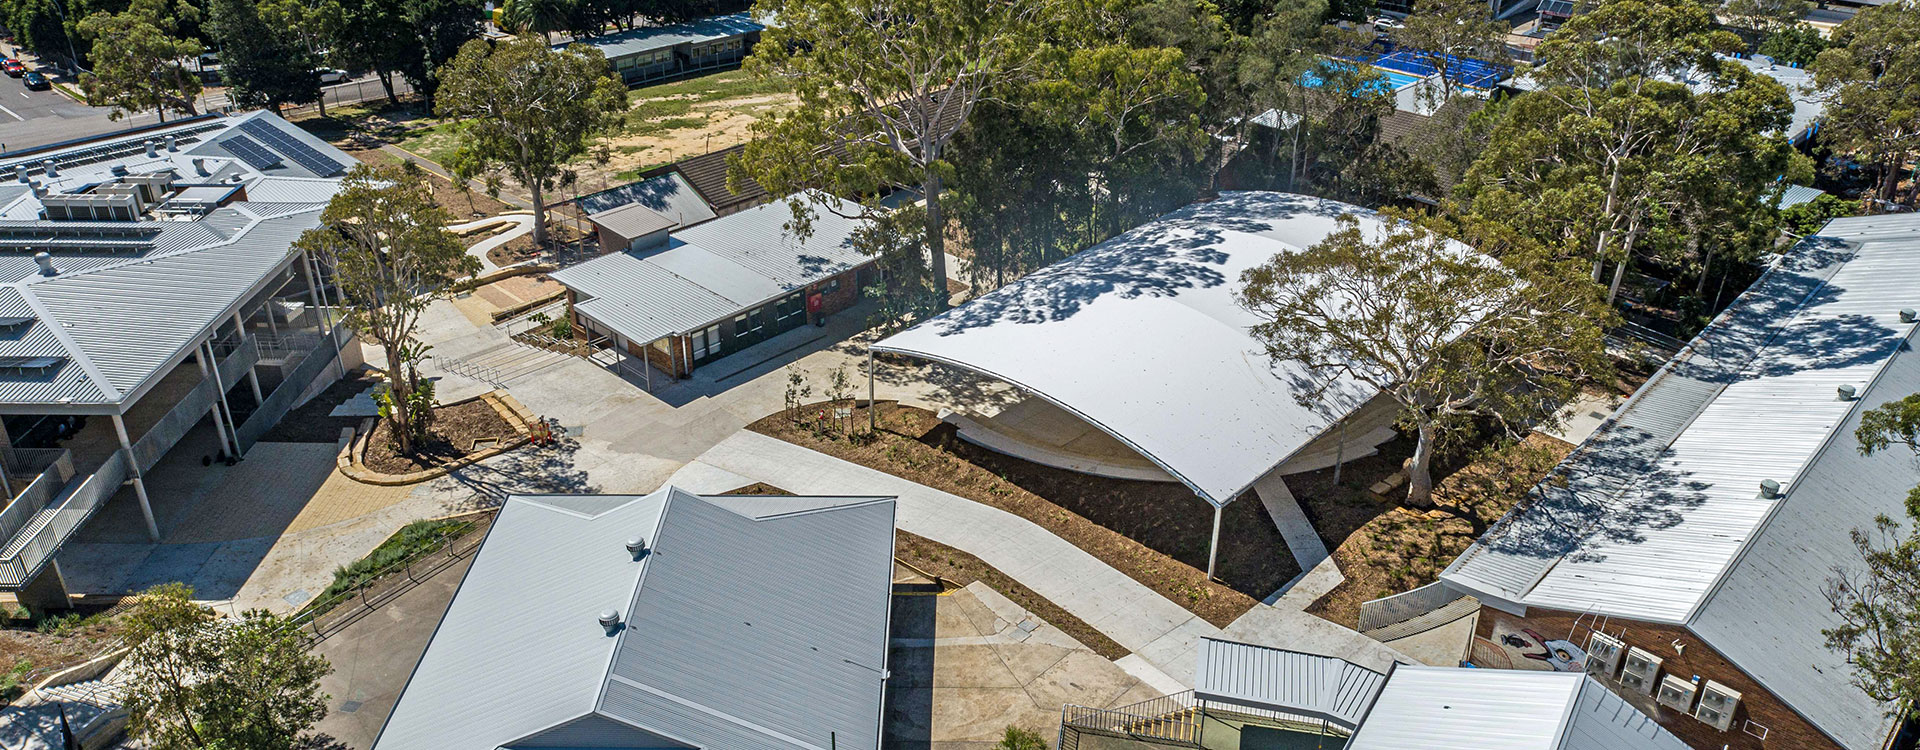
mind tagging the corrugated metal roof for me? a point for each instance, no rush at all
(1795, 195)
(1141, 336)
(1767, 614)
(1689, 540)
(1511, 558)
(1446, 708)
(669, 195)
(124, 318)
(781, 648)
(650, 38)
(758, 239)
(1263, 677)
(711, 271)
(631, 220)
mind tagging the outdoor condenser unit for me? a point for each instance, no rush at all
(1604, 653)
(1717, 704)
(1642, 671)
(1677, 693)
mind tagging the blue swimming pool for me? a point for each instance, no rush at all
(1388, 82)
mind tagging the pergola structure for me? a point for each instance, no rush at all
(1141, 337)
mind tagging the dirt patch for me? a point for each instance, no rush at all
(28, 655)
(560, 231)
(1156, 533)
(455, 428)
(472, 204)
(1389, 547)
(757, 488)
(313, 422)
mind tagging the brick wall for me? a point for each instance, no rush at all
(1784, 729)
(840, 299)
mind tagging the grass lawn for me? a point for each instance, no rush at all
(1154, 532)
(1384, 547)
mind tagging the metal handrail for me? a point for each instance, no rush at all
(1172, 718)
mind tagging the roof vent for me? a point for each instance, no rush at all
(200, 167)
(20, 173)
(46, 263)
(610, 620)
(1847, 392)
(153, 148)
(173, 143)
(1907, 315)
(52, 168)
(637, 547)
(1769, 489)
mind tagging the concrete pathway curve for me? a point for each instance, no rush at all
(523, 225)
(1162, 635)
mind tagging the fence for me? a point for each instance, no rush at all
(51, 527)
(1173, 720)
(329, 614)
(1405, 605)
(33, 498)
(281, 401)
(352, 93)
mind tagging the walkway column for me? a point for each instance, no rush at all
(232, 436)
(139, 484)
(311, 266)
(1213, 548)
(1340, 452)
(202, 355)
(253, 378)
(873, 407)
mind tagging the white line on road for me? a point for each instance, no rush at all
(16, 115)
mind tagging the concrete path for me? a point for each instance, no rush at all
(1162, 634)
(509, 198)
(1305, 544)
(1581, 417)
(523, 225)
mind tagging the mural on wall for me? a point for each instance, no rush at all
(1515, 644)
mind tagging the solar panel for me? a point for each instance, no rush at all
(300, 153)
(250, 152)
(12, 323)
(1561, 8)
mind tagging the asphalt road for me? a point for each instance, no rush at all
(34, 118)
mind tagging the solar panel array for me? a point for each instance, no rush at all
(300, 153)
(252, 153)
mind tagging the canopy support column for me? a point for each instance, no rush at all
(873, 406)
(139, 484)
(1213, 548)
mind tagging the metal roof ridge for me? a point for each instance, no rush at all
(1571, 709)
(858, 501)
(670, 493)
(94, 375)
(1826, 444)
(141, 260)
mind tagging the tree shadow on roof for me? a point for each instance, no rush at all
(1177, 252)
(1613, 491)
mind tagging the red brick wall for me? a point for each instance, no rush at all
(840, 299)
(1784, 729)
(666, 361)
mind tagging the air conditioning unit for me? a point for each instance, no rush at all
(1642, 671)
(1717, 704)
(1604, 653)
(1677, 693)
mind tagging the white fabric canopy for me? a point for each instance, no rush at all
(1141, 336)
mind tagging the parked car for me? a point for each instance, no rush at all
(13, 67)
(1387, 22)
(334, 75)
(37, 82)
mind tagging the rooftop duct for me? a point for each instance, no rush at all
(637, 547)
(1907, 315)
(610, 620)
(45, 260)
(51, 167)
(1769, 489)
(1847, 392)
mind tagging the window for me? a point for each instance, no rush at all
(833, 285)
(706, 343)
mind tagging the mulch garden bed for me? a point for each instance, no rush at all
(958, 569)
(313, 421)
(1383, 546)
(455, 428)
(1156, 533)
